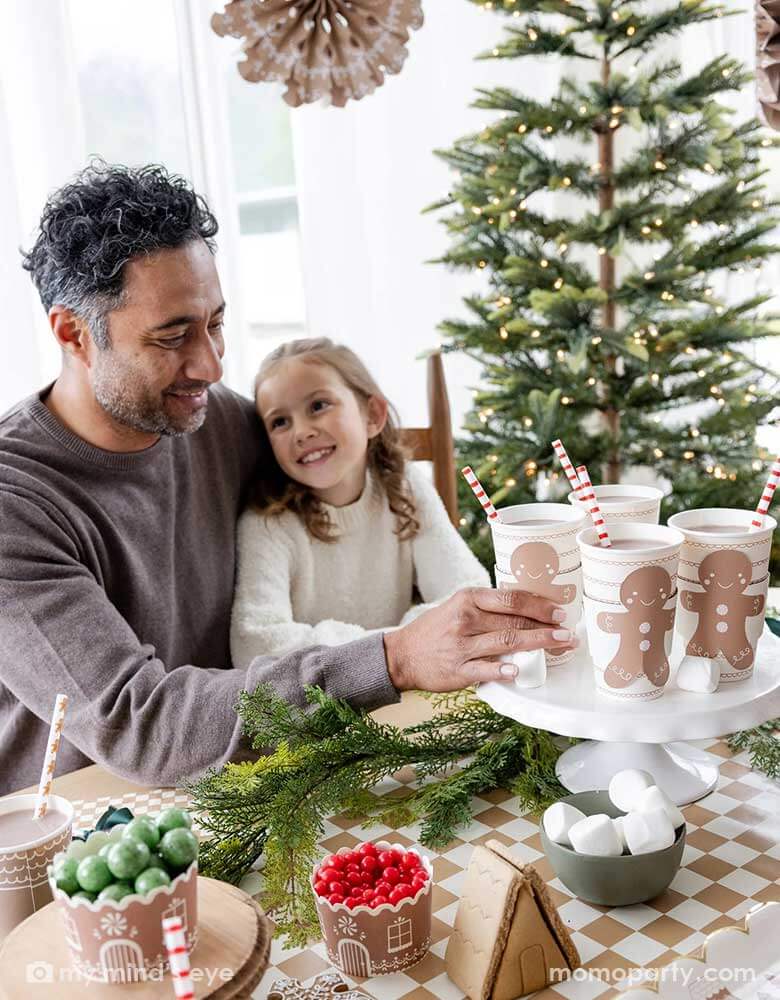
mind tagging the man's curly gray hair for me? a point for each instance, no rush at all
(106, 216)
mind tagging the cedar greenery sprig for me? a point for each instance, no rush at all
(326, 761)
(763, 744)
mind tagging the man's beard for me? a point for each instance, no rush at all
(120, 389)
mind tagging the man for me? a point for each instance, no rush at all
(120, 486)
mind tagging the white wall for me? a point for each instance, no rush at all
(364, 175)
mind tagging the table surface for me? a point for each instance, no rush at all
(731, 863)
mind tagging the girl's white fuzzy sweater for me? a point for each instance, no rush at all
(293, 590)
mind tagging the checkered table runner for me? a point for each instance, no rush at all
(731, 863)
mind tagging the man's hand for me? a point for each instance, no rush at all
(459, 643)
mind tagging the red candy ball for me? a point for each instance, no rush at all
(391, 875)
(336, 897)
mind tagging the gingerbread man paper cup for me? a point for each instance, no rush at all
(621, 504)
(556, 524)
(565, 589)
(631, 656)
(724, 575)
(630, 594)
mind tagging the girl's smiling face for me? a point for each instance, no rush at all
(318, 427)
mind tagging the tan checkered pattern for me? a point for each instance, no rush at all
(731, 863)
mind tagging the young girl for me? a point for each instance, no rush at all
(342, 530)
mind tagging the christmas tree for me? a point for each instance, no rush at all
(602, 220)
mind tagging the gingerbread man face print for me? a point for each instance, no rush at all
(723, 608)
(535, 565)
(642, 628)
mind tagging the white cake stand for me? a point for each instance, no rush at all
(644, 735)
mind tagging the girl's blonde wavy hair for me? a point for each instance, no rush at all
(275, 492)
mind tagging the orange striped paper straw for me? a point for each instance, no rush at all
(767, 495)
(179, 958)
(588, 497)
(50, 759)
(568, 467)
(479, 492)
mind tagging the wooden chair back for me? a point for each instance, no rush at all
(434, 443)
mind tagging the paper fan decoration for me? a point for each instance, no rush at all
(768, 60)
(333, 49)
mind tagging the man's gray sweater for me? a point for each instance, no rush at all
(116, 583)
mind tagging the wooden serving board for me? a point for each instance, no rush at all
(234, 940)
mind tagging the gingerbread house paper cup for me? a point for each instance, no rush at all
(724, 575)
(553, 527)
(363, 942)
(122, 942)
(567, 589)
(623, 504)
(629, 670)
(28, 848)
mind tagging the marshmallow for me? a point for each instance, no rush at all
(531, 668)
(618, 824)
(656, 798)
(626, 787)
(559, 819)
(699, 674)
(648, 831)
(595, 835)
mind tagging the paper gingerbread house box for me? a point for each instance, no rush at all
(507, 935)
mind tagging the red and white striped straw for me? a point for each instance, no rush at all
(588, 497)
(50, 758)
(767, 495)
(583, 475)
(568, 468)
(479, 492)
(179, 957)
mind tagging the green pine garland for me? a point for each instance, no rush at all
(327, 760)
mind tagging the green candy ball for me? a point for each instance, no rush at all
(143, 828)
(103, 852)
(173, 819)
(150, 879)
(93, 873)
(82, 894)
(116, 891)
(155, 861)
(128, 858)
(179, 848)
(65, 875)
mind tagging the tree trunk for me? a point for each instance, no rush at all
(606, 145)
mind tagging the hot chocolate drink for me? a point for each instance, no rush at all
(19, 827)
(718, 529)
(607, 497)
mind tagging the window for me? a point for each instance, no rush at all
(264, 180)
(132, 73)
(399, 935)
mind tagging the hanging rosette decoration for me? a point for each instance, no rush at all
(768, 60)
(331, 49)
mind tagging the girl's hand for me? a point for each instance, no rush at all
(459, 642)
